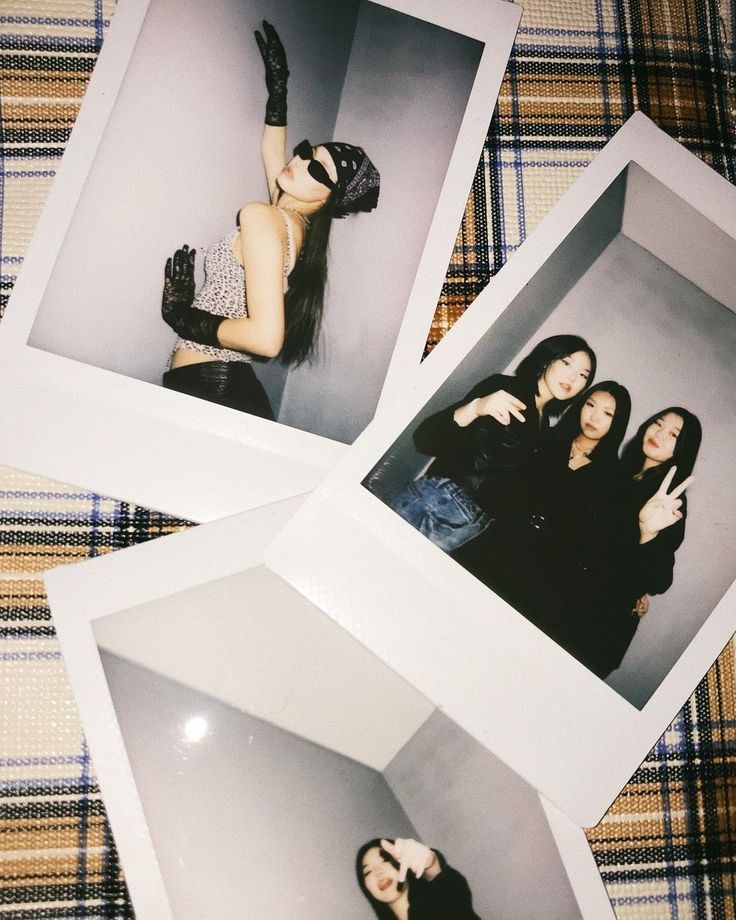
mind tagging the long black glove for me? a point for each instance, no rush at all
(277, 74)
(176, 305)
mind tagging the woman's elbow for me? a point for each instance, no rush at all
(271, 351)
(269, 345)
(242, 335)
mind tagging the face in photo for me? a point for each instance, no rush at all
(566, 463)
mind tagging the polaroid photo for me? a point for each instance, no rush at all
(249, 750)
(560, 604)
(169, 149)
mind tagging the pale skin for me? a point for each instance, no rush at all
(564, 378)
(596, 417)
(385, 882)
(261, 248)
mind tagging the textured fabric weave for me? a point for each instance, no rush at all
(667, 848)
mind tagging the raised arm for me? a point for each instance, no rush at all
(273, 143)
(663, 508)
(440, 432)
(440, 892)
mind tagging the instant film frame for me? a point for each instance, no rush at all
(165, 150)
(318, 741)
(646, 214)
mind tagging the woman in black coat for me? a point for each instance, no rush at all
(482, 442)
(656, 468)
(567, 540)
(405, 880)
(544, 554)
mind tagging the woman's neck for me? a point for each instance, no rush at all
(581, 448)
(303, 208)
(585, 444)
(400, 907)
(648, 465)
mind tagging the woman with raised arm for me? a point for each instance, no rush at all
(264, 282)
(656, 468)
(405, 880)
(483, 445)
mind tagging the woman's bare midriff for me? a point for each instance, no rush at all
(184, 356)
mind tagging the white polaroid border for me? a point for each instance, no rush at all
(82, 594)
(537, 708)
(126, 438)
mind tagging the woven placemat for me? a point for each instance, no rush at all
(667, 848)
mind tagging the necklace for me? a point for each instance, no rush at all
(575, 451)
(305, 220)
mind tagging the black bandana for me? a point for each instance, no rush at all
(358, 180)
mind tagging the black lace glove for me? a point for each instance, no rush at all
(277, 74)
(176, 304)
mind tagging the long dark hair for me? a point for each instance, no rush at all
(533, 366)
(568, 427)
(305, 298)
(683, 457)
(381, 910)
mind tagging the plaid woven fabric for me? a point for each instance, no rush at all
(667, 848)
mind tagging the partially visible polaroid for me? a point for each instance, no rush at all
(584, 596)
(251, 752)
(166, 151)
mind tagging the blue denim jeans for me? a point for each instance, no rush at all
(440, 510)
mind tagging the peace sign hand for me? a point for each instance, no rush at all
(663, 509)
(411, 854)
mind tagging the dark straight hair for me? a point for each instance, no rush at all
(381, 910)
(684, 456)
(533, 366)
(568, 427)
(305, 299)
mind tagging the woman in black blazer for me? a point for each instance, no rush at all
(656, 468)
(482, 444)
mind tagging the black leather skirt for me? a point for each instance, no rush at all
(228, 383)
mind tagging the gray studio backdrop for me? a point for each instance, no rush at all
(620, 280)
(181, 155)
(258, 822)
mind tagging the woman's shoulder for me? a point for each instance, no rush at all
(261, 215)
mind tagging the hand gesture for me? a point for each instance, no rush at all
(501, 406)
(277, 73)
(663, 509)
(410, 854)
(641, 606)
(178, 293)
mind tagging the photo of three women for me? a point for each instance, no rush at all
(528, 492)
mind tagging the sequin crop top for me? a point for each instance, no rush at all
(223, 292)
